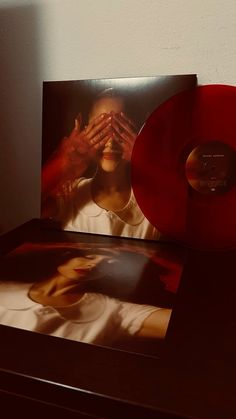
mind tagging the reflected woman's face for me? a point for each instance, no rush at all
(111, 155)
(81, 267)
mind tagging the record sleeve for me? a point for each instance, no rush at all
(105, 291)
(89, 131)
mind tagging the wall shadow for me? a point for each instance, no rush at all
(20, 116)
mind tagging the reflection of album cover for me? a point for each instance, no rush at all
(112, 293)
(89, 130)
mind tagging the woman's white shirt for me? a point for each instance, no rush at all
(78, 212)
(95, 318)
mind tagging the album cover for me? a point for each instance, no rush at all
(112, 292)
(89, 131)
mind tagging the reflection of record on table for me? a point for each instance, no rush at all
(184, 164)
(210, 168)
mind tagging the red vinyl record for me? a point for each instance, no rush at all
(184, 168)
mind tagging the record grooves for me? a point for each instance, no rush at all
(184, 167)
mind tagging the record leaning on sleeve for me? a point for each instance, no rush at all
(184, 168)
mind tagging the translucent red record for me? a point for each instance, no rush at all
(184, 164)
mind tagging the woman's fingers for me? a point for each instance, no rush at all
(128, 121)
(101, 129)
(101, 142)
(124, 133)
(96, 125)
(98, 138)
(78, 122)
(82, 141)
(123, 126)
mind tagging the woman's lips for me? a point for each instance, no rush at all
(111, 156)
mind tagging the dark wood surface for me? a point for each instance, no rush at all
(193, 378)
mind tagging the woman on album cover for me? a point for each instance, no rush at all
(104, 202)
(84, 292)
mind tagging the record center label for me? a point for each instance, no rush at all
(210, 168)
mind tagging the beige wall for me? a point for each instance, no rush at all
(72, 39)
